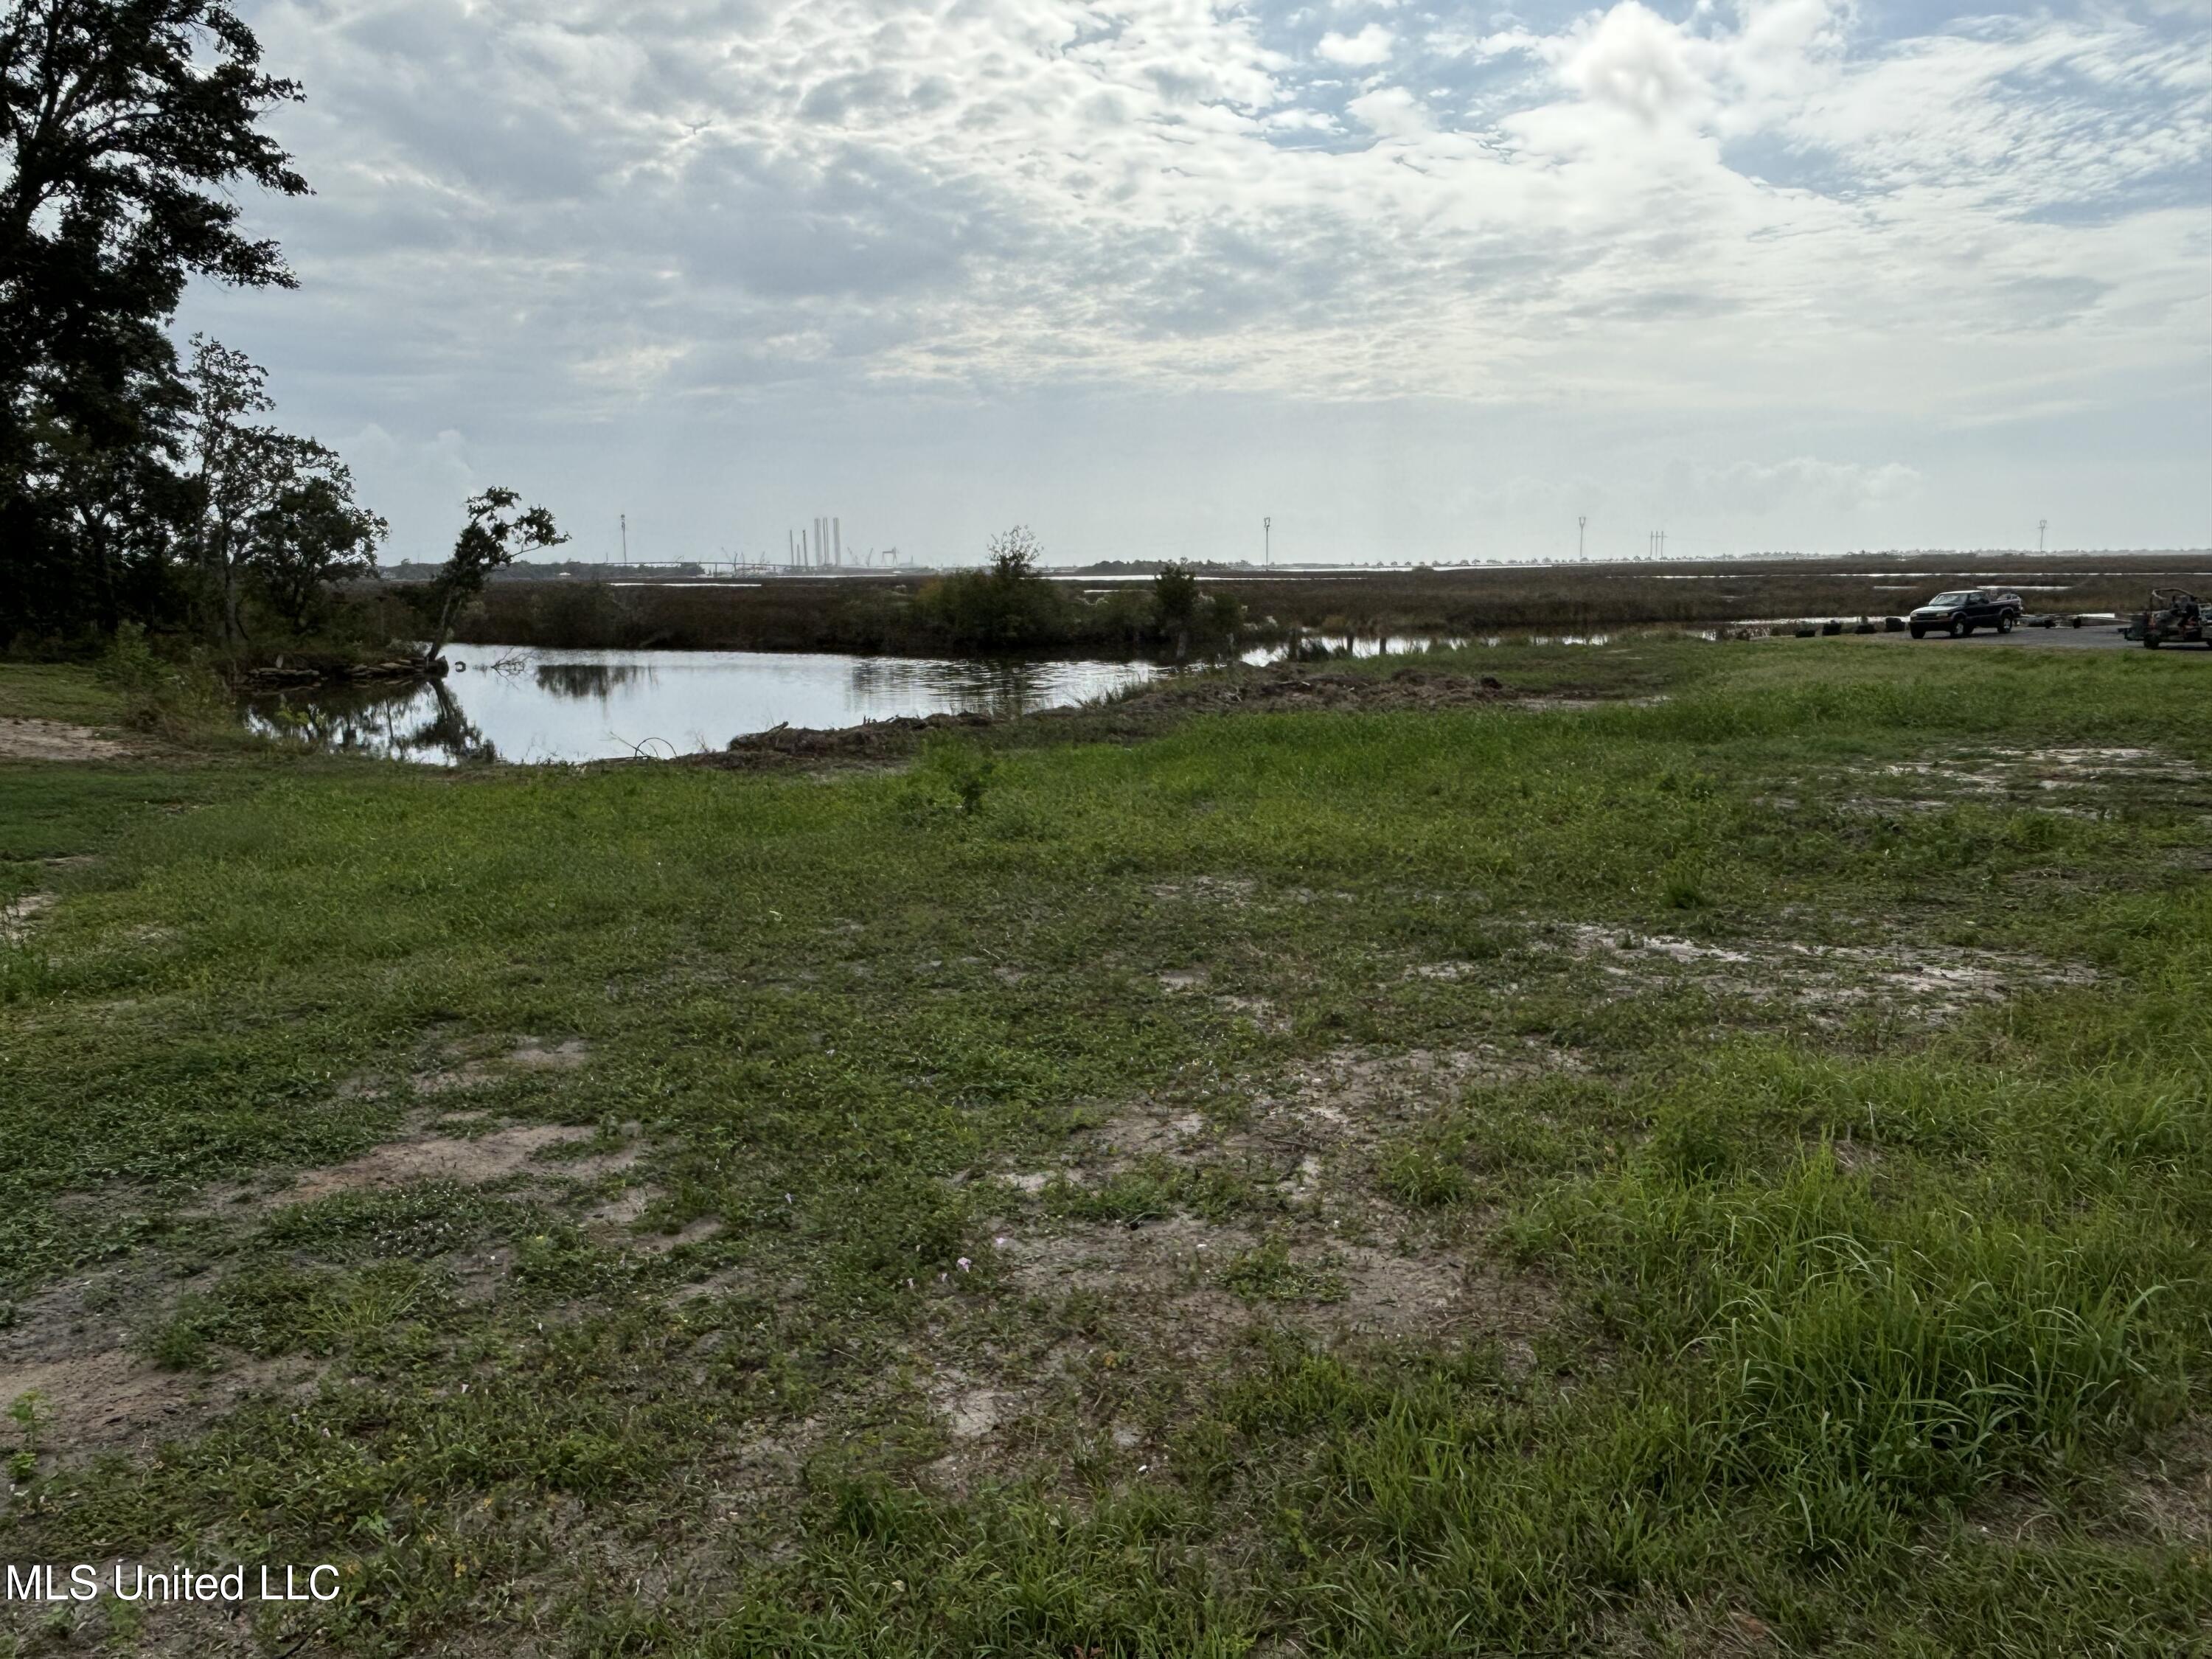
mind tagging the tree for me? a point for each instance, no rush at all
(313, 536)
(1175, 600)
(1014, 555)
(496, 535)
(242, 476)
(125, 125)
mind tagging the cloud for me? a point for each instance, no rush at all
(1371, 45)
(588, 216)
(1754, 489)
(1633, 59)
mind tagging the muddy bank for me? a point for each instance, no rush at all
(288, 671)
(1141, 714)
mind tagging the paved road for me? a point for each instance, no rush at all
(2097, 636)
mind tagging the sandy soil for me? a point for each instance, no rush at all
(56, 740)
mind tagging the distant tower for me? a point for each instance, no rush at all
(2041, 525)
(1267, 541)
(1582, 532)
(837, 540)
(625, 535)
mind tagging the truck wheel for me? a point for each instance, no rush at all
(2150, 642)
(2004, 622)
(1919, 632)
(1959, 631)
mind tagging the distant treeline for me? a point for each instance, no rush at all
(907, 616)
(1008, 606)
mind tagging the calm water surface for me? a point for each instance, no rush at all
(506, 703)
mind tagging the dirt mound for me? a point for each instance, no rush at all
(1141, 714)
(895, 735)
(1293, 688)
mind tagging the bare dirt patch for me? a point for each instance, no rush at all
(2169, 1491)
(1220, 890)
(112, 1400)
(471, 1161)
(19, 914)
(57, 740)
(473, 1065)
(1933, 981)
(70, 1347)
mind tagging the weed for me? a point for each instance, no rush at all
(1268, 1273)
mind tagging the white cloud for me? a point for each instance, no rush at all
(1755, 490)
(582, 212)
(1371, 45)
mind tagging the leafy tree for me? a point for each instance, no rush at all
(1175, 600)
(1014, 555)
(125, 128)
(497, 534)
(103, 524)
(312, 536)
(248, 479)
(1006, 605)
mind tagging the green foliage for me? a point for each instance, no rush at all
(500, 530)
(955, 769)
(1007, 606)
(130, 129)
(158, 694)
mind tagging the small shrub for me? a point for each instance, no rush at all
(171, 699)
(954, 773)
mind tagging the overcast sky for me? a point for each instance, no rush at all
(1417, 281)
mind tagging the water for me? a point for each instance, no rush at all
(506, 703)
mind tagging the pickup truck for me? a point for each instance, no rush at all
(1962, 612)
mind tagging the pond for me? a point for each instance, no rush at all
(506, 703)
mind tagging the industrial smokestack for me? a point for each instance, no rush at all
(837, 540)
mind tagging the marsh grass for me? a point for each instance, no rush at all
(1825, 1284)
(890, 613)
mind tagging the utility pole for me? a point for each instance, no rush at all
(1582, 532)
(1267, 543)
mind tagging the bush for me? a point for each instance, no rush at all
(954, 773)
(159, 695)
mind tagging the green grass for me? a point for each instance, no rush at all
(56, 691)
(1778, 1296)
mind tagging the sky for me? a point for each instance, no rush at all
(1414, 282)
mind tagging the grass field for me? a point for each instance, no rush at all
(1719, 1163)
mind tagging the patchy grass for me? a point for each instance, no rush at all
(1682, 1167)
(56, 691)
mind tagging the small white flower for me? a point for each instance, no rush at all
(964, 1264)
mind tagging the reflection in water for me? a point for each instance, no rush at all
(405, 722)
(587, 679)
(1000, 690)
(520, 705)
